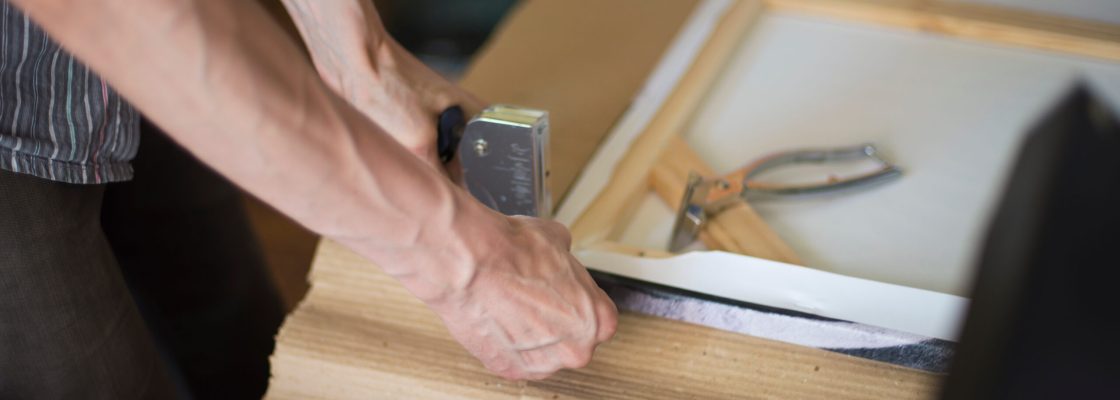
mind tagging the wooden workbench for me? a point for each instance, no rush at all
(360, 335)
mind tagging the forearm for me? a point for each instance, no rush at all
(355, 55)
(222, 80)
(344, 38)
(347, 40)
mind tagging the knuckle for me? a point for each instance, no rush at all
(501, 366)
(580, 361)
(562, 232)
(610, 314)
(606, 319)
(577, 357)
(608, 329)
(511, 375)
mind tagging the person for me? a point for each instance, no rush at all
(102, 281)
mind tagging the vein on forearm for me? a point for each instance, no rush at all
(334, 36)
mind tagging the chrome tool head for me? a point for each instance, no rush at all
(691, 215)
(504, 153)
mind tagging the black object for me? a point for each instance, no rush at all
(1043, 322)
(449, 129)
(442, 31)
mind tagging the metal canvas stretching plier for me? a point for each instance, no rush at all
(707, 197)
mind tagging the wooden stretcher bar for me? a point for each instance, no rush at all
(737, 229)
(990, 24)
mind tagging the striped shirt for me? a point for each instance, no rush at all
(58, 120)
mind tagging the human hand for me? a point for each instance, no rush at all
(531, 308)
(358, 59)
(510, 292)
(405, 98)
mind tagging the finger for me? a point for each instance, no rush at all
(583, 276)
(559, 233)
(575, 355)
(607, 314)
(604, 310)
(541, 361)
(503, 366)
(533, 364)
(581, 272)
(454, 169)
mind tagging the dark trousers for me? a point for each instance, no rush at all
(152, 288)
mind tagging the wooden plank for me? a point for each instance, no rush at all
(582, 60)
(999, 25)
(629, 177)
(360, 335)
(738, 229)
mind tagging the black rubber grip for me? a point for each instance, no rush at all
(449, 129)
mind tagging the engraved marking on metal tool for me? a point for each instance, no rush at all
(521, 174)
(505, 160)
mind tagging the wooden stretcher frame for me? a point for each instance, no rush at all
(650, 165)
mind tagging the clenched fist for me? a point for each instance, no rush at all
(531, 308)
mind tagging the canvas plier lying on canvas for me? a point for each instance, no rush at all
(706, 197)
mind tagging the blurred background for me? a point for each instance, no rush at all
(445, 34)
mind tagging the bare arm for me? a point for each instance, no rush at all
(356, 57)
(222, 80)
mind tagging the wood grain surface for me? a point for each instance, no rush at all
(360, 335)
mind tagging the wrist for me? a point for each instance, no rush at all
(476, 235)
(455, 242)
